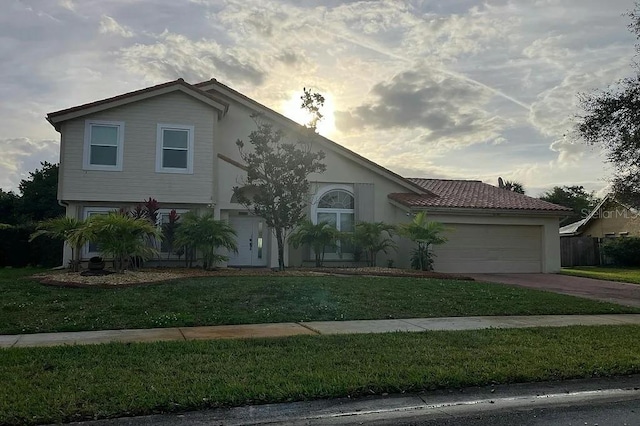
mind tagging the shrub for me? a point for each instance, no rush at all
(318, 237)
(623, 251)
(17, 251)
(206, 235)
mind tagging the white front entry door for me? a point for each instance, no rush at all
(251, 240)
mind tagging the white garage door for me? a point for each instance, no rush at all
(490, 248)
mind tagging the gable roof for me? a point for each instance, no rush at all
(57, 117)
(576, 228)
(471, 194)
(230, 93)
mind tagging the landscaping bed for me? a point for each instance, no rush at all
(153, 275)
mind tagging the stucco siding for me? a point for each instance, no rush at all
(138, 179)
(612, 222)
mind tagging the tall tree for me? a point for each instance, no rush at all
(8, 207)
(276, 187)
(39, 194)
(574, 197)
(611, 119)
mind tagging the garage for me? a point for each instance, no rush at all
(477, 248)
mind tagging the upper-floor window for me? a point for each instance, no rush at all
(103, 145)
(174, 151)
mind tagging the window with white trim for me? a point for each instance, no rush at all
(174, 150)
(91, 249)
(103, 145)
(336, 207)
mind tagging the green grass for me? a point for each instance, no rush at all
(627, 275)
(41, 385)
(27, 306)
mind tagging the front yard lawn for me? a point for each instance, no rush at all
(43, 385)
(627, 275)
(27, 306)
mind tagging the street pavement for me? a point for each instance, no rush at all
(605, 401)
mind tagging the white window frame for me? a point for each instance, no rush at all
(87, 211)
(160, 147)
(315, 210)
(86, 159)
(160, 213)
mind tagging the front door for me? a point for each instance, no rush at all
(251, 240)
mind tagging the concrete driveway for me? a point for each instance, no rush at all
(607, 291)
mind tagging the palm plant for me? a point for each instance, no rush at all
(372, 238)
(206, 234)
(68, 229)
(122, 237)
(424, 234)
(318, 237)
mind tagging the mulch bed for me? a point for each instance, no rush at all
(158, 275)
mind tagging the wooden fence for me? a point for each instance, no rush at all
(579, 251)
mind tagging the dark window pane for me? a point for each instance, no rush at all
(174, 159)
(104, 155)
(175, 139)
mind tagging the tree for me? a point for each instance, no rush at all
(205, 233)
(312, 102)
(9, 207)
(611, 119)
(574, 197)
(39, 194)
(276, 187)
(318, 237)
(510, 185)
(424, 233)
(372, 238)
(122, 237)
(71, 230)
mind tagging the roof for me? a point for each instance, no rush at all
(214, 84)
(573, 228)
(472, 194)
(57, 117)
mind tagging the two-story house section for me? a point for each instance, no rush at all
(176, 142)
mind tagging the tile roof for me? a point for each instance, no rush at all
(470, 194)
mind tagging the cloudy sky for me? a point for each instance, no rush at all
(449, 88)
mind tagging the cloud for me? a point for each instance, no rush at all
(21, 156)
(108, 25)
(173, 55)
(445, 107)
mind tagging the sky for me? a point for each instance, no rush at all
(455, 89)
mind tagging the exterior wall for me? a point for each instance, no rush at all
(613, 221)
(138, 180)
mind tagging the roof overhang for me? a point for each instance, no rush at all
(58, 117)
(471, 211)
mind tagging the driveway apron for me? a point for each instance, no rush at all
(607, 291)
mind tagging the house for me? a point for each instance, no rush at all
(609, 219)
(175, 142)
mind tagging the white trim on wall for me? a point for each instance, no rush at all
(160, 148)
(86, 158)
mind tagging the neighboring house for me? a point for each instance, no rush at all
(175, 142)
(608, 219)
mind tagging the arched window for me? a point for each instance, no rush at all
(336, 207)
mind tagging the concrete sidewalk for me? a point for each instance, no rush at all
(310, 328)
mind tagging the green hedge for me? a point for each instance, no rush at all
(17, 251)
(623, 251)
